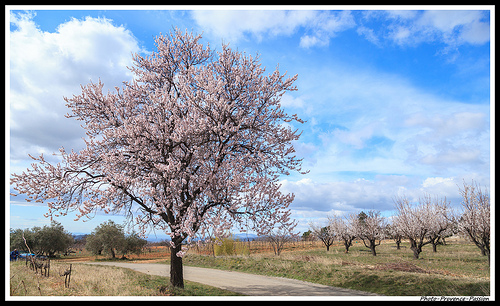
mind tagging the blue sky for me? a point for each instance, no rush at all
(396, 101)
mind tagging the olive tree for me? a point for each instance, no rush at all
(48, 240)
(108, 237)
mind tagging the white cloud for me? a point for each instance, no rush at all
(456, 142)
(369, 34)
(452, 157)
(288, 100)
(356, 138)
(307, 41)
(400, 35)
(45, 66)
(315, 200)
(476, 33)
(233, 25)
(343, 196)
(453, 27)
(443, 125)
(325, 26)
(316, 28)
(402, 14)
(372, 122)
(457, 26)
(319, 26)
(449, 187)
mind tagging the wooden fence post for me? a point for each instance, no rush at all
(67, 276)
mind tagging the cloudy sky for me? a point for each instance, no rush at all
(396, 101)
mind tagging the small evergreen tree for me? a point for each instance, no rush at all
(133, 244)
(107, 237)
(53, 239)
(47, 240)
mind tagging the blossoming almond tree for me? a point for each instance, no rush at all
(343, 228)
(423, 223)
(414, 222)
(324, 233)
(196, 141)
(441, 215)
(474, 223)
(371, 229)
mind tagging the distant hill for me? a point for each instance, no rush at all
(153, 238)
(77, 236)
(245, 236)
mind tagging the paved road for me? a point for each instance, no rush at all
(244, 283)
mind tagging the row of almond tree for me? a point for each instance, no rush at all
(426, 221)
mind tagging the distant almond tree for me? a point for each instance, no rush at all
(371, 229)
(414, 222)
(324, 233)
(474, 223)
(280, 235)
(343, 227)
(395, 234)
(197, 138)
(441, 216)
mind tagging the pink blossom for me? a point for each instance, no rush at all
(196, 139)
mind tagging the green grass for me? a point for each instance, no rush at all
(456, 269)
(100, 281)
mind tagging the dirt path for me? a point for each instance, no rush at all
(248, 284)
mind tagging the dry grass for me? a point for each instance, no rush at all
(85, 281)
(456, 269)
(99, 281)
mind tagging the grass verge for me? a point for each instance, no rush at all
(100, 281)
(456, 269)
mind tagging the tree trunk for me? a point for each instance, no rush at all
(176, 273)
(434, 241)
(372, 248)
(347, 244)
(483, 250)
(415, 248)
